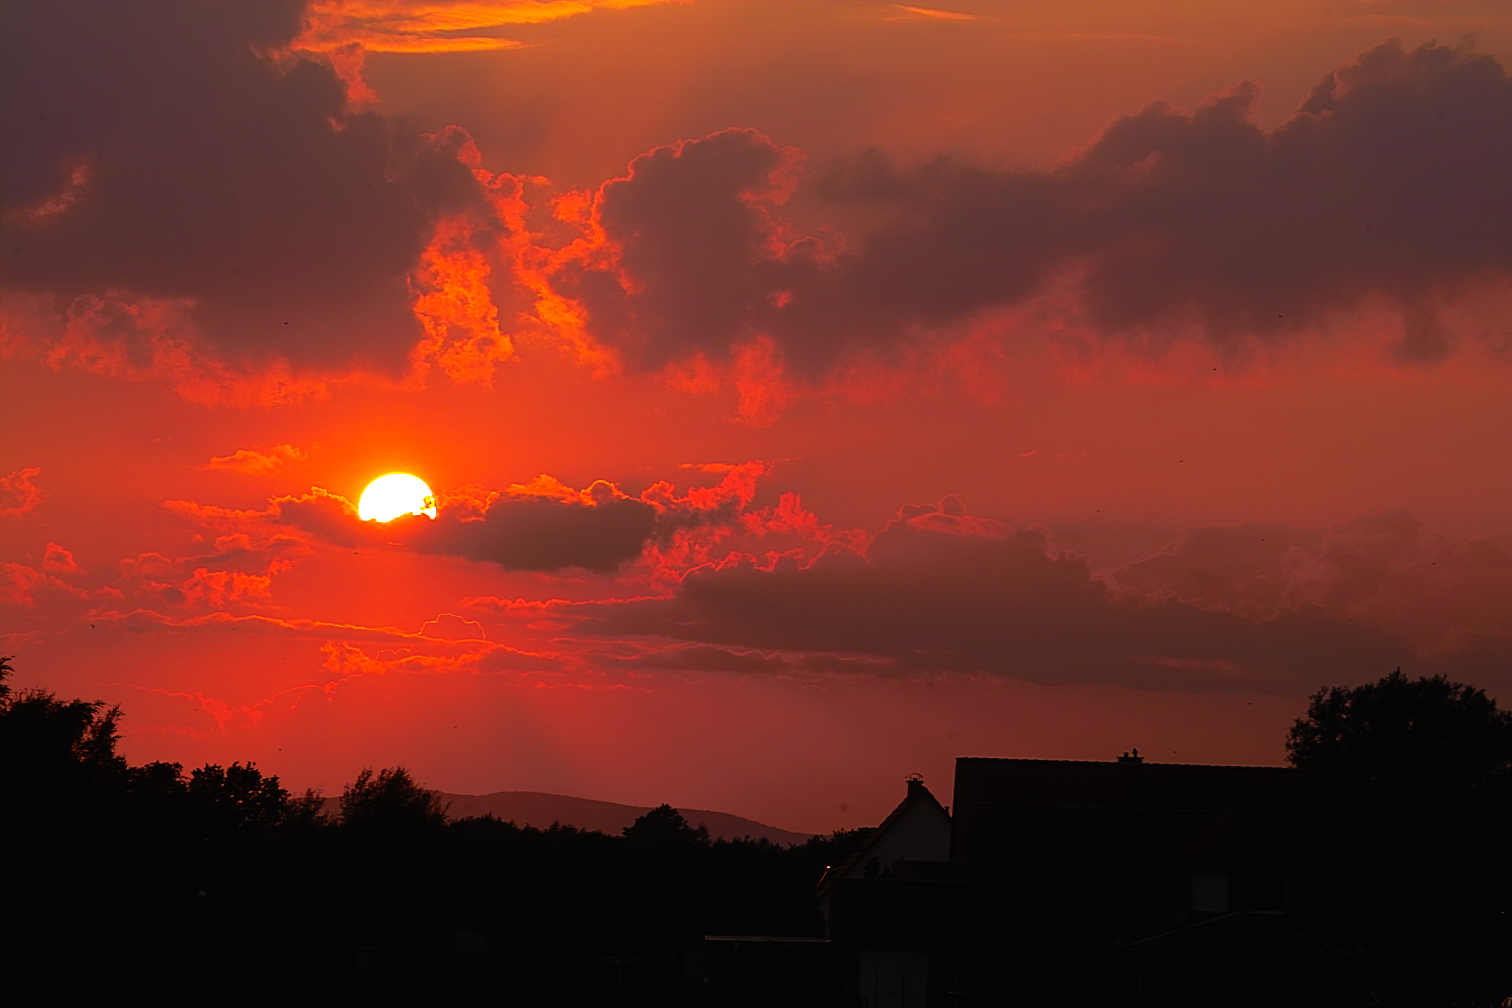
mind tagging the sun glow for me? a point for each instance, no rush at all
(395, 494)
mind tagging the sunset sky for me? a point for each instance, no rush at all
(812, 392)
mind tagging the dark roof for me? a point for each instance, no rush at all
(1110, 783)
(1273, 795)
(1058, 847)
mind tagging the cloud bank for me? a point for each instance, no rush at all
(192, 190)
(175, 152)
(941, 590)
(1387, 184)
(704, 582)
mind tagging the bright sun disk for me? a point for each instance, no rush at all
(395, 494)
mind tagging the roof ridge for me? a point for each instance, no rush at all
(1113, 763)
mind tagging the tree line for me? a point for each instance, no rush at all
(220, 878)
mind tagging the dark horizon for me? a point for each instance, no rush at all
(1068, 882)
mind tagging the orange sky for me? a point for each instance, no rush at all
(908, 385)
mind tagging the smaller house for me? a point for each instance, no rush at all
(897, 903)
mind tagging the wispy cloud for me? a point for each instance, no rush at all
(148, 621)
(256, 462)
(414, 26)
(943, 15)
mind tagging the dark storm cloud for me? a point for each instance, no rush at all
(165, 149)
(942, 591)
(693, 231)
(598, 529)
(330, 516)
(539, 533)
(1389, 182)
(545, 525)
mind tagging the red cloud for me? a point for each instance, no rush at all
(450, 626)
(688, 234)
(17, 582)
(239, 569)
(1380, 187)
(413, 26)
(216, 588)
(237, 220)
(20, 583)
(59, 560)
(1378, 567)
(352, 248)
(254, 462)
(18, 494)
(941, 590)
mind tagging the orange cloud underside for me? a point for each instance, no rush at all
(431, 26)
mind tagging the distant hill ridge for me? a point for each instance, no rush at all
(539, 809)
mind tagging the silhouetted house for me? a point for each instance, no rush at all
(1083, 883)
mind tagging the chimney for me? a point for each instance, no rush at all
(915, 784)
(1136, 758)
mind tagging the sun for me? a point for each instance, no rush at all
(395, 494)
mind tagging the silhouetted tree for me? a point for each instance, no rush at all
(235, 798)
(390, 802)
(58, 736)
(1427, 739)
(58, 757)
(665, 826)
(223, 866)
(1411, 783)
(306, 812)
(157, 782)
(155, 800)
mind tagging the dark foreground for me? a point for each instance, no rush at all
(219, 886)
